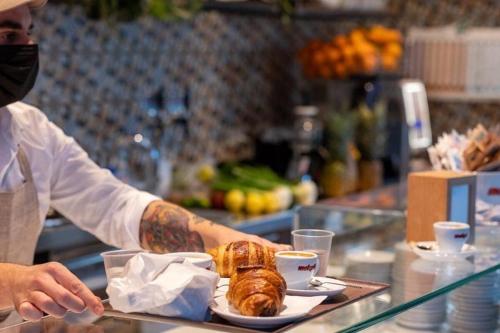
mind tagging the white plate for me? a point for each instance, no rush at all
(435, 255)
(417, 325)
(324, 290)
(292, 310)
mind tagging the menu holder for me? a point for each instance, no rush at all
(348, 296)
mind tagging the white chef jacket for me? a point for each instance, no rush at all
(67, 179)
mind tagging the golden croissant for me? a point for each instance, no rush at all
(257, 291)
(242, 253)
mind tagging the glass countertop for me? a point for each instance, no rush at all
(368, 245)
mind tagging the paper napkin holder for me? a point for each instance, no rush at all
(439, 196)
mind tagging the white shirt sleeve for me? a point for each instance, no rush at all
(91, 197)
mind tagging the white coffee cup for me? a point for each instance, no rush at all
(451, 236)
(199, 259)
(297, 267)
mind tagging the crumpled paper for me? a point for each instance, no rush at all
(163, 285)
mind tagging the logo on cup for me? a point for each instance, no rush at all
(494, 191)
(309, 268)
(461, 236)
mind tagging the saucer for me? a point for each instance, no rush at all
(324, 290)
(434, 254)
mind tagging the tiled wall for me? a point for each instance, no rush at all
(240, 73)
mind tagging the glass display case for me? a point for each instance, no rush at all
(430, 295)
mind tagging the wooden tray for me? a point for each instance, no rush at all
(350, 295)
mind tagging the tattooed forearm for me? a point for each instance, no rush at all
(165, 228)
(199, 220)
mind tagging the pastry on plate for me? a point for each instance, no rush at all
(256, 291)
(229, 257)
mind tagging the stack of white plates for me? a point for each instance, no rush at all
(429, 315)
(473, 308)
(370, 265)
(420, 279)
(404, 256)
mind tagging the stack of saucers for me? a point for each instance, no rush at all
(420, 279)
(404, 256)
(370, 265)
(473, 307)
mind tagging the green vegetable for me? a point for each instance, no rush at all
(246, 178)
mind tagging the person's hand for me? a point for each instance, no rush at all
(234, 236)
(49, 288)
(265, 242)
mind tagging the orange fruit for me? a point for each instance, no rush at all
(319, 58)
(368, 63)
(364, 48)
(340, 41)
(393, 49)
(347, 52)
(333, 54)
(357, 36)
(340, 70)
(389, 63)
(325, 71)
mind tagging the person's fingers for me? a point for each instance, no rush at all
(285, 247)
(46, 304)
(29, 312)
(261, 241)
(277, 247)
(69, 281)
(63, 297)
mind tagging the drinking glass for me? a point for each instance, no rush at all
(317, 241)
(115, 261)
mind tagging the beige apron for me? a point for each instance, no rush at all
(19, 227)
(20, 224)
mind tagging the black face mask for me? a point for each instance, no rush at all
(18, 72)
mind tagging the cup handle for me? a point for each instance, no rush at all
(316, 270)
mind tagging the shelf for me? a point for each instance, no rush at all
(253, 8)
(462, 97)
(325, 13)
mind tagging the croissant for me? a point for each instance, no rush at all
(256, 291)
(242, 253)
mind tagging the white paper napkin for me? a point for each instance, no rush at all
(163, 285)
(300, 304)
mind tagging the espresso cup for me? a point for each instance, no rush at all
(199, 259)
(451, 236)
(297, 267)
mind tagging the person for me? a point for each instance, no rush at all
(40, 167)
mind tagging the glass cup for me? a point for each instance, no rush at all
(317, 241)
(115, 261)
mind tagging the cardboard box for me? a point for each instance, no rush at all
(439, 196)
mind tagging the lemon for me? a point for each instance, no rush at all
(271, 202)
(234, 201)
(254, 204)
(206, 173)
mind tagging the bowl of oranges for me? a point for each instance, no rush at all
(361, 51)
